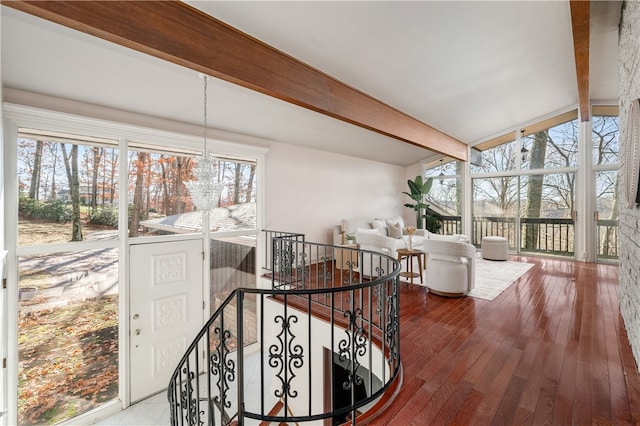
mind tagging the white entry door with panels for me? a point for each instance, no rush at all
(166, 310)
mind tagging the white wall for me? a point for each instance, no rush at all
(629, 79)
(310, 191)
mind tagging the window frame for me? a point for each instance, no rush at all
(100, 123)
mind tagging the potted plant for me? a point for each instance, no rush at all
(432, 222)
(418, 191)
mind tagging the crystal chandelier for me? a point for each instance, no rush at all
(206, 189)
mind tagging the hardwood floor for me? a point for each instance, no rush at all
(551, 349)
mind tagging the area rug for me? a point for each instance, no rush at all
(493, 277)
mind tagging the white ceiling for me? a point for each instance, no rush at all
(470, 69)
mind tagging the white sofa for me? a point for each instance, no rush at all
(384, 235)
(387, 239)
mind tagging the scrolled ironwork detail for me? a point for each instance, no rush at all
(378, 292)
(285, 259)
(325, 273)
(349, 277)
(353, 346)
(222, 366)
(285, 349)
(392, 328)
(188, 401)
(301, 268)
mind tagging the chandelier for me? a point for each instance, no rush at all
(206, 189)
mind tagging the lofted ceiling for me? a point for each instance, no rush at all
(473, 70)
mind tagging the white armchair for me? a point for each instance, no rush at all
(450, 267)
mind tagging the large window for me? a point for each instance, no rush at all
(78, 196)
(445, 198)
(68, 314)
(524, 187)
(524, 190)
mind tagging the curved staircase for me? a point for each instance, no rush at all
(328, 343)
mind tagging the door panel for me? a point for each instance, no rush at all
(166, 301)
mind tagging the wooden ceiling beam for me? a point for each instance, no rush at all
(178, 33)
(580, 16)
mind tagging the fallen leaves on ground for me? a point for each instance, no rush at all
(68, 360)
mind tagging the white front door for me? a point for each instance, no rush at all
(166, 310)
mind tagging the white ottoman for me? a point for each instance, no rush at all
(495, 248)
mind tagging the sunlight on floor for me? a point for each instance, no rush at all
(155, 410)
(151, 411)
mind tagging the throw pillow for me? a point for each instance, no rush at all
(395, 230)
(396, 220)
(363, 231)
(380, 225)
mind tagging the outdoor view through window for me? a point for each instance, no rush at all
(526, 190)
(69, 291)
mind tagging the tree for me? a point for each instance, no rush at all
(34, 188)
(53, 149)
(499, 191)
(534, 189)
(252, 174)
(97, 155)
(182, 164)
(164, 182)
(605, 135)
(71, 167)
(236, 183)
(137, 196)
(113, 166)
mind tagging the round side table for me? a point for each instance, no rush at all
(409, 255)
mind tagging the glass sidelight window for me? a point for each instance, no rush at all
(67, 334)
(606, 150)
(68, 292)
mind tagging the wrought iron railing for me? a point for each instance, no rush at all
(329, 344)
(537, 235)
(556, 235)
(268, 237)
(541, 235)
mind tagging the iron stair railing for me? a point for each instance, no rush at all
(329, 309)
